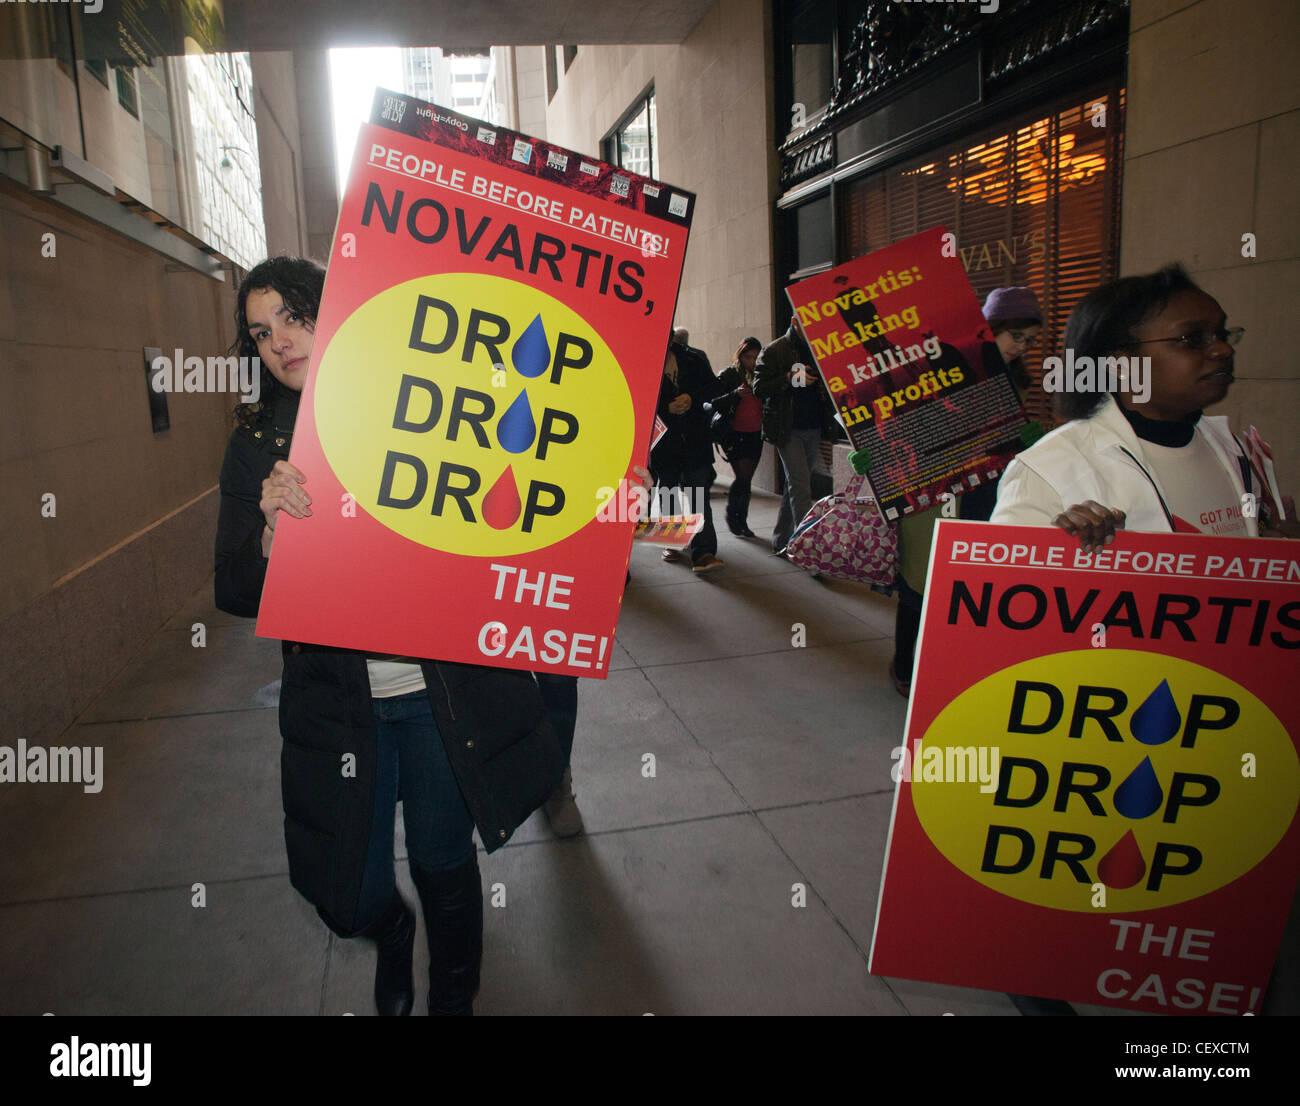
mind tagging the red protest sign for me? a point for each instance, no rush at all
(909, 360)
(1097, 794)
(483, 380)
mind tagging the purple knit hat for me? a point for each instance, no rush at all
(1012, 303)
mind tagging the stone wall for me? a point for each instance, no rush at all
(133, 516)
(1212, 150)
(714, 104)
(713, 99)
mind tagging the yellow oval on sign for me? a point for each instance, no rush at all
(1153, 776)
(473, 414)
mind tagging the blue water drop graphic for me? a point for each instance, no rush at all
(531, 354)
(516, 428)
(1157, 719)
(1140, 794)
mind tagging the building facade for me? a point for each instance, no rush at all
(1063, 143)
(141, 172)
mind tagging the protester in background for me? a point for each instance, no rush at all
(469, 746)
(743, 442)
(1016, 320)
(797, 414)
(682, 461)
(681, 340)
(1141, 454)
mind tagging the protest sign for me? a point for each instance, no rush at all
(674, 531)
(913, 371)
(1097, 792)
(484, 376)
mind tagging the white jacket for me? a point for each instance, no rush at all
(1101, 458)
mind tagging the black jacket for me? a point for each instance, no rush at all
(686, 445)
(772, 385)
(503, 751)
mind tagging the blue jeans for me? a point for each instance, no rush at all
(800, 457)
(439, 829)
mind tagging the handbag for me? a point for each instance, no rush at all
(845, 539)
(721, 412)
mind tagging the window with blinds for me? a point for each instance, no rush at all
(1034, 203)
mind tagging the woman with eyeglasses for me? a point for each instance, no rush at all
(1139, 452)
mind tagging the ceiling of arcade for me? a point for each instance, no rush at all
(450, 23)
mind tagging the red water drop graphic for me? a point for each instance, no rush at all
(501, 505)
(1124, 865)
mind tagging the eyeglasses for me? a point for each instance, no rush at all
(1202, 340)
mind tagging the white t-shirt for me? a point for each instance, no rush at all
(1198, 492)
(390, 676)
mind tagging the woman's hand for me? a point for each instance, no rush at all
(680, 405)
(1093, 524)
(281, 492)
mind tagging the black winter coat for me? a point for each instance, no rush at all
(686, 444)
(503, 751)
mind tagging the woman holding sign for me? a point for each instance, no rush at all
(1145, 356)
(469, 746)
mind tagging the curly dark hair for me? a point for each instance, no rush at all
(300, 282)
(1103, 321)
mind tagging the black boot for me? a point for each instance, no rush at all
(394, 935)
(453, 916)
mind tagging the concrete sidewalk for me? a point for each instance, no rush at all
(771, 769)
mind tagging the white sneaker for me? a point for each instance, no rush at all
(562, 809)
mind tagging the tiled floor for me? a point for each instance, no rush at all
(771, 769)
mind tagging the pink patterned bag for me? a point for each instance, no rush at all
(846, 539)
